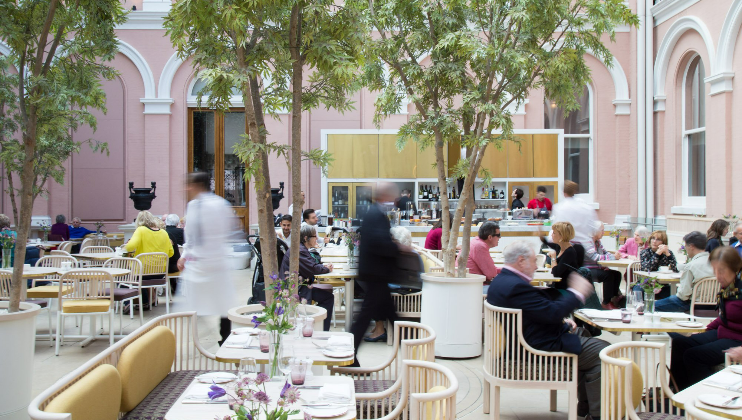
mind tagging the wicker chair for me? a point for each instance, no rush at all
(96, 241)
(154, 265)
(58, 252)
(510, 362)
(5, 280)
(96, 249)
(412, 341)
(49, 292)
(90, 296)
(189, 356)
(426, 390)
(65, 246)
(704, 293)
(130, 286)
(407, 306)
(634, 382)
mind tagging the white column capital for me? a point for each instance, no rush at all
(720, 82)
(157, 105)
(659, 103)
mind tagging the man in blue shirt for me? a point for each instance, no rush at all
(738, 235)
(77, 231)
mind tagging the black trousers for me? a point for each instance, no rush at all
(225, 328)
(324, 298)
(377, 304)
(693, 358)
(611, 280)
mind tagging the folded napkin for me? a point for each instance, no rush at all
(339, 393)
(238, 341)
(200, 392)
(340, 342)
(725, 379)
(597, 313)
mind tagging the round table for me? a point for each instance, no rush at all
(342, 278)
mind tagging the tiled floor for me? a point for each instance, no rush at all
(516, 404)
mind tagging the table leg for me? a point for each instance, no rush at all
(349, 292)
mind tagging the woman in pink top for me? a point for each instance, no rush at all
(633, 245)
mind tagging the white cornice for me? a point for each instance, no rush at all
(144, 20)
(659, 103)
(156, 105)
(720, 83)
(666, 9)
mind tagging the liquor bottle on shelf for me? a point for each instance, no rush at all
(454, 193)
(420, 193)
(502, 194)
(496, 194)
(425, 193)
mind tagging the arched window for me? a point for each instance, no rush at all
(578, 139)
(694, 134)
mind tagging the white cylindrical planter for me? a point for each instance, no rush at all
(17, 345)
(453, 308)
(242, 315)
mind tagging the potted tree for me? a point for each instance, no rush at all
(282, 55)
(484, 60)
(48, 85)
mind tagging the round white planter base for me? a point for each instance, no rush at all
(453, 308)
(18, 332)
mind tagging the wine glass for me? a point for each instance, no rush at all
(247, 366)
(638, 297)
(285, 355)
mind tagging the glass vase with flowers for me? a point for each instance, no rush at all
(7, 242)
(651, 286)
(250, 401)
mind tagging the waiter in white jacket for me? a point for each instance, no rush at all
(578, 213)
(209, 286)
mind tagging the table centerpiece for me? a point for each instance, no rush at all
(651, 286)
(249, 401)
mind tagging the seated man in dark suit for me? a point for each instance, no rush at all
(545, 323)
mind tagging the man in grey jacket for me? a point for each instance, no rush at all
(695, 269)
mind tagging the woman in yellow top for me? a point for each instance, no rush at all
(148, 237)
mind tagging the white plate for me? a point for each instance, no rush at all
(736, 369)
(689, 324)
(340, 354)
(246, 330)
(325, 412)
(718, 400)
(217, 377)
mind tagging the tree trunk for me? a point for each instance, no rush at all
(449, 254)
(297, 78)
(23, 223)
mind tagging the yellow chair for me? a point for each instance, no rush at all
(96, 396)
(49, 292)
(90, 296)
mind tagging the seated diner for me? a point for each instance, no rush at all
(695, 269)
(479, 260)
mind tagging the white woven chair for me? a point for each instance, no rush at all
(692, 412)
(412, 341)
(540, 260)
(426, 390)
(155, 264)
(704, 293)
(510, 362)
(5, 280)
(634, 381)
(95, 241)
(130, 287)
(189, 355)
(407, 306)
(58, 252)
(90, 296)
(96, 249)
(65, 246)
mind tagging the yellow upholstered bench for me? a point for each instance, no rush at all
(144, 364)
(96, 396)
(46, 292)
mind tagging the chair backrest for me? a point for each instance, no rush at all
(704, 293)
(86, 285)
(95, 241)
(429, 261)
(409, 305)
(55, 261)
(58, 252)
(153, 263)
(507, 356)
(692, 412)
(65, 246)
(619, 391)
(132, 264)
(190, 355)
(540, 260)
(95, 249)
(633, 268)
(5, 279)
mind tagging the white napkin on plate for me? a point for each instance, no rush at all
(200, 392)
(238, 341)
(340, 342)
(339, 393)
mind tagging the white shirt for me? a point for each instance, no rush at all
(287, 239)
(291, 211)
(580, 215)
(695, 269)
(208, 228)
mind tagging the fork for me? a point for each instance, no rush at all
(729, 401)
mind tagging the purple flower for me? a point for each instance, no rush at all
(307, 416)
(274, 276)
(249, 416)
(286, 386)
(262, 397)
(279, 310)
(292, 395)
(216, 391)
(262, 302)
(255, 321)
(262, 377)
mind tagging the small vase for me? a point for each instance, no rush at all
(274, 353)
(7, 257)
(649, 302)
(46, 236)
(351, 257)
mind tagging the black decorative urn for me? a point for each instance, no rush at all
(142, 197)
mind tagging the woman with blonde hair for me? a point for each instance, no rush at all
(565, 256)
(148, 237)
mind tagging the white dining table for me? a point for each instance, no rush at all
(181, 411)
(670, 278)
(304, 347)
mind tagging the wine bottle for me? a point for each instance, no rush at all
(496, 195)
(502, 194)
